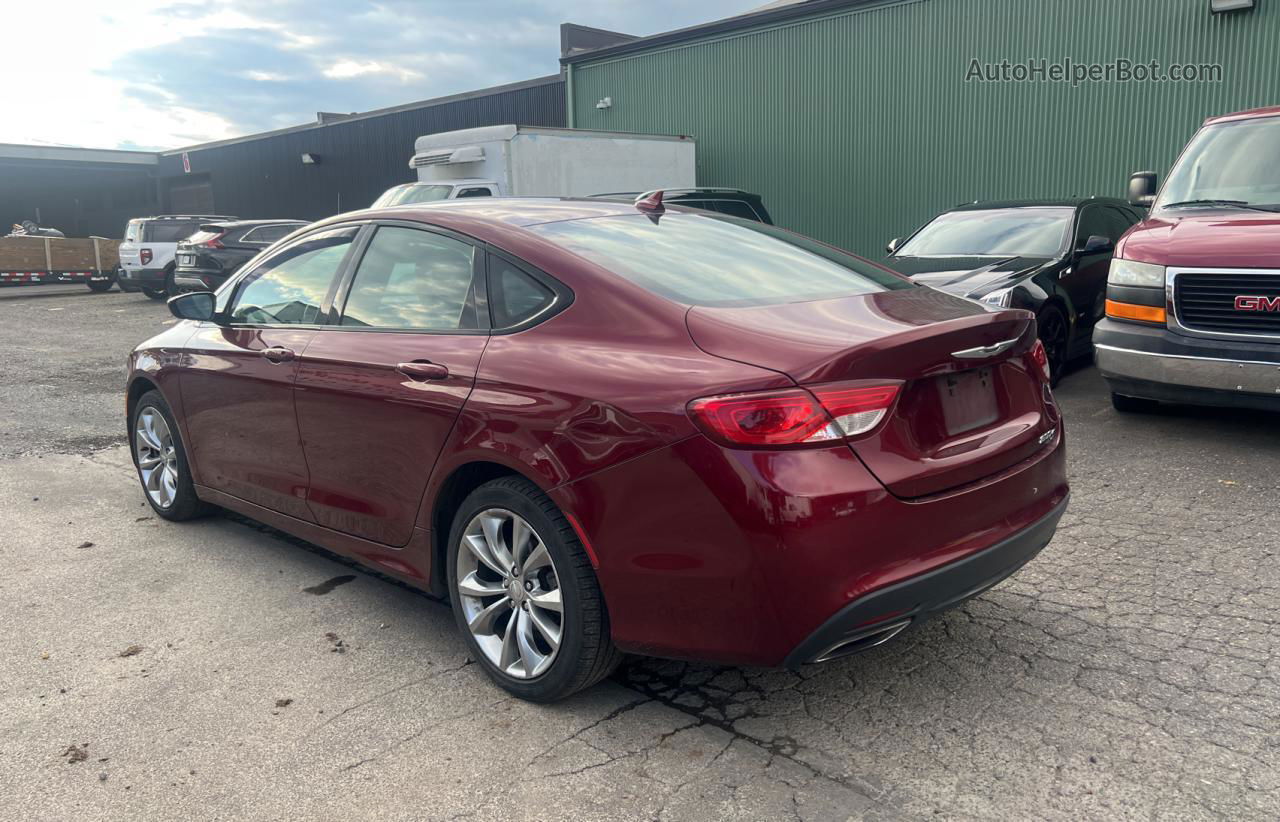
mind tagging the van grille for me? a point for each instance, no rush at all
(1207, 302)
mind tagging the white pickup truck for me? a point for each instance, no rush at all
(147, 252)
(522, 161)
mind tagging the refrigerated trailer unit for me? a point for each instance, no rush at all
(533, 161)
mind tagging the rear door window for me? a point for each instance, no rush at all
(474, 192)
(267, 234)
(706, 260)
(292, 286)
(411, 279)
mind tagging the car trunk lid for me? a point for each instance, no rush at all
(971, 402)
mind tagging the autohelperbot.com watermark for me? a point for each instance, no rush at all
(1078, 73)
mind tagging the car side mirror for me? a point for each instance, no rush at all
(1142, 188)
(1096, 244)
(894, 245)
(195, 305)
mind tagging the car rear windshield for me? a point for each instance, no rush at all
(993, 232)
(168, 231)
(706, 260)
(407, 195)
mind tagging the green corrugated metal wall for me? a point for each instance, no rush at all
(857, 126)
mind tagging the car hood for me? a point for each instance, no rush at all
(1205, 238)
(967, 276)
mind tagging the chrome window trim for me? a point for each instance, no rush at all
(1174, 323)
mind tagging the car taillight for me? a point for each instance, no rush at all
(145, 255)
(795, 417)
(213, 242)
(1041, 358)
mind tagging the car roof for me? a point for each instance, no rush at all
(687, 193)
(1251, 114)
(1063, 202)
(210, 218)
(247, 223)
(515, 211)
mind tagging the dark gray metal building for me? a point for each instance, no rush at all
(341, 162)
(82, 191)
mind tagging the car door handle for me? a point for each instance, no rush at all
(278, 354)
(422, 370)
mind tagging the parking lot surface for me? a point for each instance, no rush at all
(219, 669)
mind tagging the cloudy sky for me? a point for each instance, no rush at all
(135, 74)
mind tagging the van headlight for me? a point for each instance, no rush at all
(1129, 272)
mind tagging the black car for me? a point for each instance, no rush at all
(207, 258)
(1047, 256)
(731, 201)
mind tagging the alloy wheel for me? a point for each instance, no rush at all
(157, 458)
(510, 593)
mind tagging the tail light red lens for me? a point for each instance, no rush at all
(794, 417)
(145, 255)
(1041, 358)
(214, 241)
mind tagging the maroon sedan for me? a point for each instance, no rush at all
(601, 428)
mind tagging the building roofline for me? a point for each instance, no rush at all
(76, 154)
(741, 22)
(364, 115)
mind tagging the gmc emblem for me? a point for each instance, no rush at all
(1257, 303)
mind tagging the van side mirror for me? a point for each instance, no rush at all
(1142, 188)
(1096, 244)
(894, 245)
(195, 305)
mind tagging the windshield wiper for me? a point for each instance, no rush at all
(1230, 203)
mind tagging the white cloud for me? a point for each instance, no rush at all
(264, 76)
(346, 69)
(71, 103)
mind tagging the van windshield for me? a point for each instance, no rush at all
(410, 194)
(1231, 162)
(705, 260)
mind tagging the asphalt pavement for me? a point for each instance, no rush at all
(221, 670)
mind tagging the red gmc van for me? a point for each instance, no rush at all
(1193, 294)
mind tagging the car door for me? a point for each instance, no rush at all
(237, 385)
(379, 391)
(1086, 285)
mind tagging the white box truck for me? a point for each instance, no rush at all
(524, 161)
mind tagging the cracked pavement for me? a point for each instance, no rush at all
(1129, 672)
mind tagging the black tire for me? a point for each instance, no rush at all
(1132, 405)
(186, 505)
(1054, 331)
(101, 286)
(162, 293)
(586, 653)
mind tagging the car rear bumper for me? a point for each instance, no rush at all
(1150, 362)
(879, 616)
(143, 277)
(743, 557)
